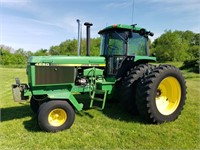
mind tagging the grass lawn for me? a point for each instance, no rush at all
(94, 129)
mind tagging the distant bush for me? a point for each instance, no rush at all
(192, 65)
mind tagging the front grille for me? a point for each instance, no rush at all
(54, 75)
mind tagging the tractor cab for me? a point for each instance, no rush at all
(119, 42)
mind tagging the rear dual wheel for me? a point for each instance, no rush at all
(129, 86)
(55, 115)
(161, 94)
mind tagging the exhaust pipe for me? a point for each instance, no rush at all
(88, 25)
(79, 37)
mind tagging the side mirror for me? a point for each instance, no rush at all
(142, 32)
(150, 33)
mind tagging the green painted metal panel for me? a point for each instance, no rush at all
(61, 94)
(111, 79)
(82, 89)
(120, 26)
(93, 72)
(32, 75)
(144, 58)
(105, 86)
(67, 60)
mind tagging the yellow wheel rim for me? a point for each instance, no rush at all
(57, 117)
(168, 95)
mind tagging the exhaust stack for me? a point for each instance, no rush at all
(88, 25)
(79, 37)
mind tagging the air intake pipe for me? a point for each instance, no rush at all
(88, 25)
(79, 37)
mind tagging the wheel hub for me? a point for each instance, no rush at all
(57, 117)
(168, 95)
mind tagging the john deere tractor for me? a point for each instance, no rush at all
(122, 73)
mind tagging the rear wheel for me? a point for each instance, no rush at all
(129, 86)
(55, 116)
(161, 94)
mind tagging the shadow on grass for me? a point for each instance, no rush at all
(32, 125)
(112, 110)
(20, 112)
(115, 111)
(17, 112)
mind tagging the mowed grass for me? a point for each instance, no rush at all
(95, 129)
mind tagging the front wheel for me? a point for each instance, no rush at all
(161, 95)
(55, 115)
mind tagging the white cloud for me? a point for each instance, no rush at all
(14, 3)
(30, 34)
(122, 4)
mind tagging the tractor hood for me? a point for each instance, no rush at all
(66, 60)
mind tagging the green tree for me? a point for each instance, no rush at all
(193, 61)
(95, 46)
(72, 47)
(170, 46)
(6, 57)
(41, 52)
(54, 50)
(19, 57)
(69, 47)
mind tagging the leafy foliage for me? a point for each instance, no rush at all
(193, 62)
(41, 52)
(178, 46)
(68, 47)
(171, 46)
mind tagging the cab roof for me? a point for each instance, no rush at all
(120, 26)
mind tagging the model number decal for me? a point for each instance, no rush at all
(42, 64)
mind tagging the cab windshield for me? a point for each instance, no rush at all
(137, 45)
(116, 43)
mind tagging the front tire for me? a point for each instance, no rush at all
(161, 94)
(55, 115)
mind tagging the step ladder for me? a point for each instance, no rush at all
(102, 99)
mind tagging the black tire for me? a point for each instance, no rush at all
(55, 115)
(126, 65)
(36, 101)
(34, 105)
(129, 86)
(161, 94)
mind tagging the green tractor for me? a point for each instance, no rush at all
(122, 73)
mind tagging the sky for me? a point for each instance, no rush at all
(36, 24)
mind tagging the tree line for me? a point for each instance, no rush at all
(181, 46)
(170, 46)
